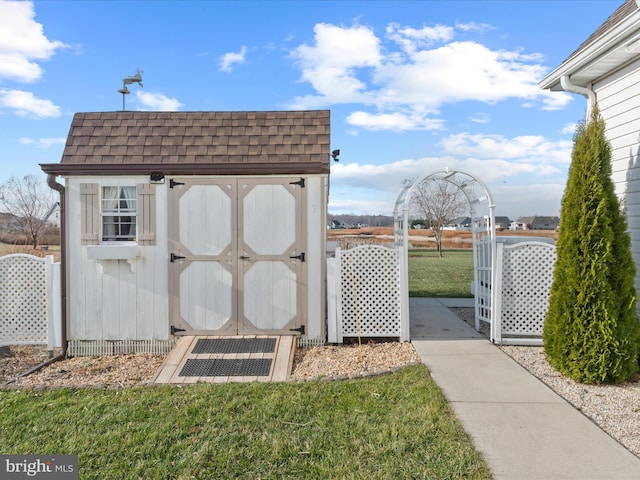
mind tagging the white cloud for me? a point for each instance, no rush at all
(512, 168)
(535, 199)
(22, 42)
(157, 101)
(533, 149)
(26, 104)
(456, 72)
(330, 65)
(353, 65)
(569, 129)
(473, 26)
(393, 121)
(480, 117)
(410, 39)
(43, 142)
(358, 207)
(555, 100)
(228, 60)
(389, 177)
(374, 189)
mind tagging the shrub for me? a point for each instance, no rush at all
(591, 332)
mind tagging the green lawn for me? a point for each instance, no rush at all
(447, 276)
(395, 426)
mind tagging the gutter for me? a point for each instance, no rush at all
(611, 40)
(51, 182)
(567, 86)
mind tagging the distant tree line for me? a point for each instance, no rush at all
(368, 220)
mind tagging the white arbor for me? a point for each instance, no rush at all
(483, 232)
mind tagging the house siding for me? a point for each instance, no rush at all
(618, 96)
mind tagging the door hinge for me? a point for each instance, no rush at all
(173, 183)
(299, 182)
(175, 257)
(175, 330)
(300, 257)
(299, 329)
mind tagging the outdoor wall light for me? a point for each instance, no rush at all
(335, 154)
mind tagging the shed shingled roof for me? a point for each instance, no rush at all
(196, 142)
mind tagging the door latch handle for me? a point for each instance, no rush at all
(175, 257)
(244, 257)
(300, 257)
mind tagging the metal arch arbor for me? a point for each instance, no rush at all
(483, 232)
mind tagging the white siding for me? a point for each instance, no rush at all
(316, 209)
(128, 300)
(117, 299)
(618, 97)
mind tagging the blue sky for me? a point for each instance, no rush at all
(413, 86)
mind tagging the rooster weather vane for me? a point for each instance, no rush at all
(137, 78)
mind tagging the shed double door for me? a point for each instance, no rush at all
(236, 255)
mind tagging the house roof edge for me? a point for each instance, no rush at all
(594, 49)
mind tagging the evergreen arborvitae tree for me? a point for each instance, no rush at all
(591, 332)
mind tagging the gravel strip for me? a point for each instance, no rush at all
(17, 359)
(350, 361)
(108, 371)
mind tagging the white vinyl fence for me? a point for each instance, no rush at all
(367, 293)
(29, 300)
(523, 277)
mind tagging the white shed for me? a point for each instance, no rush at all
(193, 223)
(605, 68)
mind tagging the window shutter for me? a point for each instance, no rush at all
(146, 214)
(89, 213)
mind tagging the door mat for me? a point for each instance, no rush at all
(222, 367)
(235, 345)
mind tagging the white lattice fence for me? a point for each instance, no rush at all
(370, 293)
(524, 273)
(24, 289)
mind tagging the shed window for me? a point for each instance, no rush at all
(119, 207)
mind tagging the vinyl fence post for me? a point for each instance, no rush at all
(52, 272)
(405, 334)
(496, 302)
(338, 284)
(332, 313)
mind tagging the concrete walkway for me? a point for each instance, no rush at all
(523, 429)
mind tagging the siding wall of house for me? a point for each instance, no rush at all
(618, 97)
(129, 300)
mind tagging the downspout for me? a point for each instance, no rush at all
(567, 86)
(51, 182)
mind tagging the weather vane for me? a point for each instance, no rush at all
(137, 78)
